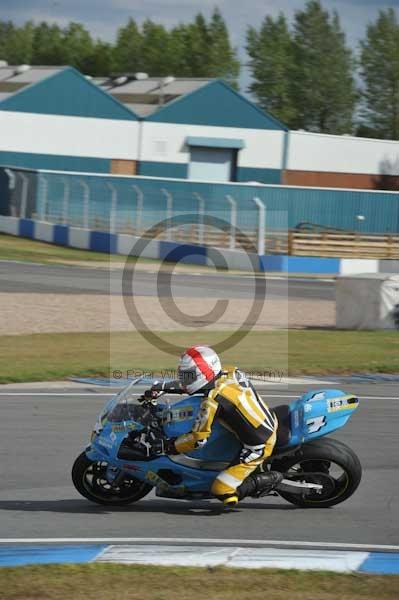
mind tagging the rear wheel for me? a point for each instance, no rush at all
(89, 478)
(327, 462)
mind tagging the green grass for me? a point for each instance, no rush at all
(133, 582)
(42, 357)
(22, 249)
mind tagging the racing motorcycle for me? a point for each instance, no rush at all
(118, 467)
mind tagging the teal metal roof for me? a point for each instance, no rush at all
(67, 93)
(216, 104)
(212, 142)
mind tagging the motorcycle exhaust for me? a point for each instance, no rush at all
(298, 487)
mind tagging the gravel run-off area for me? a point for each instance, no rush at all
(26, 313)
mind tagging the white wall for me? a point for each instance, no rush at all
(165, 142)
(70, 136)
(341, 154)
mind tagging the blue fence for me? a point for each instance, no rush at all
(87, 200)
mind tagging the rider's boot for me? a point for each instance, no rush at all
(229, 503)
(259, 484)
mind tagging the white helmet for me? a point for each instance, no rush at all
(198, 366)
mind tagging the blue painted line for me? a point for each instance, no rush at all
(27, 228)
(383, 563)
(61, 235)
(185, 253)
(102, 241)
(300, 264)
(364, 377)
(99, 381)
(117, 382)
(16, 555)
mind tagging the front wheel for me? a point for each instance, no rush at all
(89, 478)
(328, 462)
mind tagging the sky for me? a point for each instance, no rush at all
(103, 17)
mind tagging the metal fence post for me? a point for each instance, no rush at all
(86, 203)
(233, 221)
(43, 186)
(11, 186)
(201, 212)
(114, 201)
(139, 208)
(24, 195)
(65, 201)
(11, 178)
(261, 225)
(169, 210)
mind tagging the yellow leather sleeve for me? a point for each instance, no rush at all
(202, 427)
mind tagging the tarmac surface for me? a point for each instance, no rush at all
(35, 278)
(43, 430)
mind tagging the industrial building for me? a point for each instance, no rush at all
(197, 129)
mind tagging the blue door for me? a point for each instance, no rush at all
(211, 164)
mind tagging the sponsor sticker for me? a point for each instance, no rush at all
(122, 427)
(336, 404)
(178, 414)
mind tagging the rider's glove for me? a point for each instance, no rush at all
(149, 396)
(163, 446)
(157, 447)
(170, 448)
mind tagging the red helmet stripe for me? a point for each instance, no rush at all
(201, 363)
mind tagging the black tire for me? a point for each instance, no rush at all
(313, 463)
(87, 479)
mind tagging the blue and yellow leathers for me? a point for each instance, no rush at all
(234, 402)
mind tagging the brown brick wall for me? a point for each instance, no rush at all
(123, 167)
(341, 180)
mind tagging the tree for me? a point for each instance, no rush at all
(155, 54)
(101, 62)
(198, 47)
(272, 67)
(16, 43)
(380, 73)
(127, 53)
(222, 57)
(323, 84)
(6, 31)
(47, 45)
(78, 46)
(180, 64)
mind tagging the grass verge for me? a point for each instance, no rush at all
(45, 357)
(23, 249)
(106, 582)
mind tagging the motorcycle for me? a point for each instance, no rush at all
(118, 467)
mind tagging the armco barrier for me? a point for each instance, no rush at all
(102, 241)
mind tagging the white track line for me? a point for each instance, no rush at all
(204, 541)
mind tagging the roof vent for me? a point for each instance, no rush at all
(21, 69)
(120, 80)
(141, 76)
(3, 63)
(167, 80)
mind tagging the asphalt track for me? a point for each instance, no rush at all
(36, 278)
(42, 431)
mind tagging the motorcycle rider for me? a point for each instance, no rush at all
(230, 397)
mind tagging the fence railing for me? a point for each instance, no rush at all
(343, 245)
(252, 217)
(142, 208)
